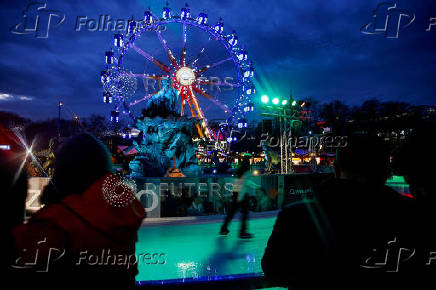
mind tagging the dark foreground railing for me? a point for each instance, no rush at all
(239, 281)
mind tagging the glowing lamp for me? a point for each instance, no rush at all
(202, 18)
(265, 99)
(233, 39)
(242, 123)
(5, 147)
(148, 17)
(132, 26)
(109, 57)
(115, 116)
(104, 76)
(166, 12)
(243, 55)
(127, 133)
(107, 98)
(185, 13)
(219, 27)
(118, 40)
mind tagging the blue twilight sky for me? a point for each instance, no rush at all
(316, 48)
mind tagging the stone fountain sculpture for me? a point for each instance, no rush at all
(167, 139)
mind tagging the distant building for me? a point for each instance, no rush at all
(394, 127)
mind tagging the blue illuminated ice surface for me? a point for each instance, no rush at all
(197, 251)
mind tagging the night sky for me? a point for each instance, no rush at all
(315, 48)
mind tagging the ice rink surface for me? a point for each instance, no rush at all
(193, 249)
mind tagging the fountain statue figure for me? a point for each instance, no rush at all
(167, 139)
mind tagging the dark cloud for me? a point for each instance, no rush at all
(314, 48)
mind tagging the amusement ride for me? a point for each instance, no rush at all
(187, 73)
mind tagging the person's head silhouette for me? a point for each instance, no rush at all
(13, 177)
(415, 160)
(364, 159)
(80, 162)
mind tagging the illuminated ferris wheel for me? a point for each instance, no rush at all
(205, 68)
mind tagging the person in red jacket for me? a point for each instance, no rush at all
(85, 235)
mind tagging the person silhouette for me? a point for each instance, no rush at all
(243, 187)
(85, 235)
(13, 182)
(415, 161)
(325, 241)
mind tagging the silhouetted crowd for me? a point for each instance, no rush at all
(355, 233)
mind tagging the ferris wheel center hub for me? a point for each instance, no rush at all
(185, 76)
